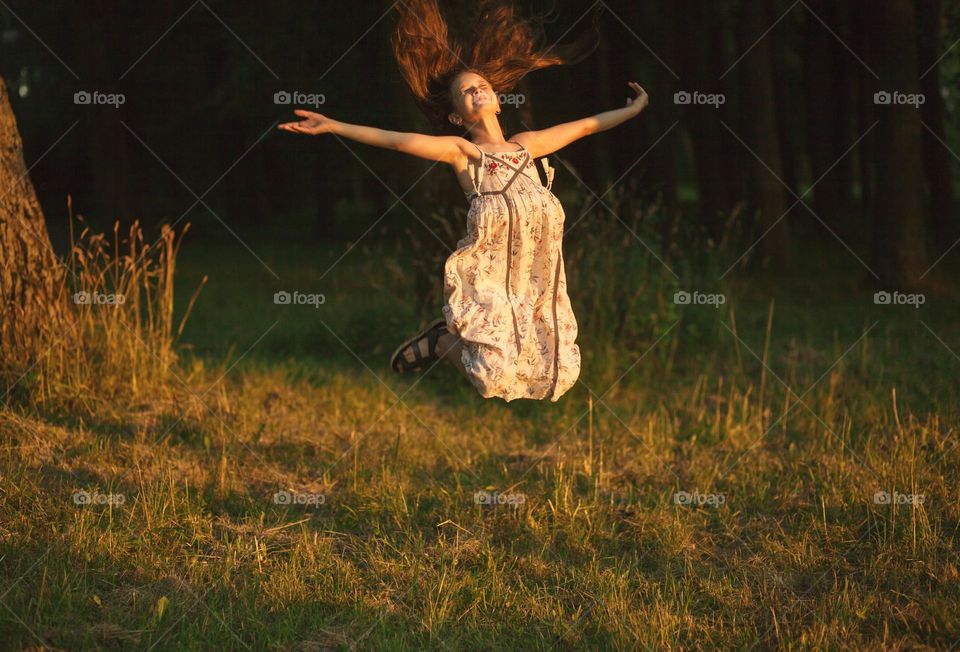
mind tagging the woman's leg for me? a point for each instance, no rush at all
(449, 347)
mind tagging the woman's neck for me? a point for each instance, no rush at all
(486, 131)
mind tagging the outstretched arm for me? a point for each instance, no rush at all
(549, 140)
(434, 148)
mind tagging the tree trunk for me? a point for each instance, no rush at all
(847, 92)
(32, 301)
(821, 66)
(866, 151)
(759, 126)
(602, 167)
(108, 143)
(661, 163)
(899, 251)
(936, 157)
(787, 87)
(700, 64)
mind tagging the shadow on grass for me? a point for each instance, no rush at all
(105, 599)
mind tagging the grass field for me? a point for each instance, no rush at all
(752, 476)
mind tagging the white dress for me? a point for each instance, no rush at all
(505, 288)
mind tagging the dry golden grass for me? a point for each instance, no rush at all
(184, 545)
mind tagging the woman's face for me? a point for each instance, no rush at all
(472, 96)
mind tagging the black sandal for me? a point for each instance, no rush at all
(399, 362)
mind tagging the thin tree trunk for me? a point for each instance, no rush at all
(847, 90)
(760, 133)
(700, 70)
(108, 143)
(866, 115)
(899, 251)
(936, 157)
(602, 167)
(821, 63)
(666, 159)
(787, 84)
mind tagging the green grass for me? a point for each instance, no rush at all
(199, 556)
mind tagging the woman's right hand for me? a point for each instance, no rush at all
(312, 123)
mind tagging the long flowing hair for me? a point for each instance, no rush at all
(502, 48)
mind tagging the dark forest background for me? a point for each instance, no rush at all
(800, 132)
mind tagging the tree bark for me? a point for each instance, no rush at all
(821, 66)
(700, 63)
(108, 143)
(936, 157)
(32, 301)
(787, 77)
(660, 163)
(899, 249)
(866, 151)
(847, 92)
(760, 133)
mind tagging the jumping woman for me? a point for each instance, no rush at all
(507, 322)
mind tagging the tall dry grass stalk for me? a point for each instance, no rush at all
(120, 345)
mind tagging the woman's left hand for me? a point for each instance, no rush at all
(638, 103)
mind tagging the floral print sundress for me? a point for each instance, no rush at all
(505, 288)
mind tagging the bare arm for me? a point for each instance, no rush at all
(434, 148)
(549, 140)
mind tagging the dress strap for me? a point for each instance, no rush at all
(547, 171)
(477, 179)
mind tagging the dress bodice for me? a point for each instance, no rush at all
(496, 170)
